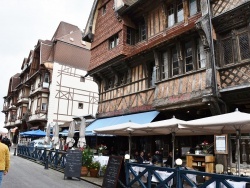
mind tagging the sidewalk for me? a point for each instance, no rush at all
(97, 181)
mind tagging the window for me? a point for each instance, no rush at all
(44, 107)
(142, 30)
(180, 13)
(175, 13)
(201, 55)
(192, 7)
(238, 50)
(80, 105)
(171, 15)
(180, 59)
(165, 65)
(122, 78)
(175, 62)
(188, 57)
(46, 78)
(113, 41)
(137, 35)
(104, 9)
(131, 36)
(244, 46)
(152, 74)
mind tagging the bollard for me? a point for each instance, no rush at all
(46, 164)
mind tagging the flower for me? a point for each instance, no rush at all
(102, 147)
(205, 145)
(94, 165)
(87, 157)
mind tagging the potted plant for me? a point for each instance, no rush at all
(87, 158)
(103, 169)
(94, 168)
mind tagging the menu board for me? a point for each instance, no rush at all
(220, 144)
(113, 172)
(73, 164)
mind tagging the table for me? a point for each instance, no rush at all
(102, 159)
(235, 184)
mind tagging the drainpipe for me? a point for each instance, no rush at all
(214, 81)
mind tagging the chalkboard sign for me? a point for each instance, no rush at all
(73, 164)
(114, 170)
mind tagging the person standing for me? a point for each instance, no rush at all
(4, 160)
(6, 141)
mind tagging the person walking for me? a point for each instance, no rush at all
(6, 141)
(4, 160)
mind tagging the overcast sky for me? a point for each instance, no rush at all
(23, 22)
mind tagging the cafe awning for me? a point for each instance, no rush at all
(140, 118)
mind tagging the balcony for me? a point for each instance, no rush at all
(23, 99)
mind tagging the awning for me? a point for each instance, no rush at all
(140, 118)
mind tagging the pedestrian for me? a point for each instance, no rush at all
(6, 141)
(4, 160)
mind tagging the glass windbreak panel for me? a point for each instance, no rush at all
(175, 62)
(244, 144)
(227, 51)
(192, 7)
(188, 57)
(180, 13)
(244, 46)
(171, 16)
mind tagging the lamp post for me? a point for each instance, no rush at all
(178, 162)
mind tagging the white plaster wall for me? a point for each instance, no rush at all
(64, 99)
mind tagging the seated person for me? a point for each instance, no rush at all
(141, 157)
(148, 157)
(136, 155)
(157, 158)
(168, 162)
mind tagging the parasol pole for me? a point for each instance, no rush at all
(129, 143)
(173, 139)
(238, 151)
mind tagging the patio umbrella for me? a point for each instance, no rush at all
(55, 138)
(3, 130)
(70, 140)
(234, 122)
(123, 129)
(169, 126)
(47, 137)
(82, 141)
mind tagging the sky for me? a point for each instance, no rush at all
(24, 22)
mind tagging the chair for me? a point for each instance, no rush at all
(200, 180)
(219, 168)
(247, 185)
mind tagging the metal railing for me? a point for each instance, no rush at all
(54, 158)
(178, 177)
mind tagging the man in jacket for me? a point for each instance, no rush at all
(6, 141)
(4, 160)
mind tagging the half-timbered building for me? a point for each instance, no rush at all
(182, 58)
(53, 87)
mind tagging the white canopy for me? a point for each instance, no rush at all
(224, 123)
(234, 122)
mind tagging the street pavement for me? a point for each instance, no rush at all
(24, 173)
